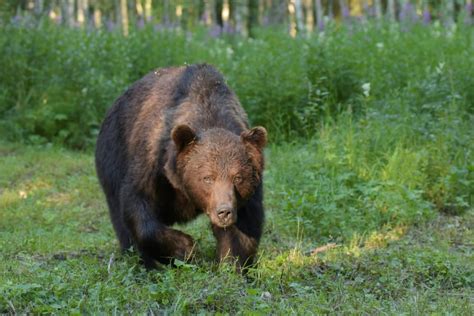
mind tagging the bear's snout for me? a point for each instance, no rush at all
(224, 214)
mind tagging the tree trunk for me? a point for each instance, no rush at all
(218, 6)
(67, 12)
(139, 9)
(309, 15)
(38, 8)
(319, 16)
(166, 12)
(449, 17)
(97, 17)
(391, 10)
(330, 9)
(82, 6)
(148, 10)
(261, 12)
(231, 4)
(124, 16)
(252, 20)
(468, 12)
(208, 12)
(299, 16)
(241, 18)
(378, 9)
(344, 9)
(278, 11)
(292, 18)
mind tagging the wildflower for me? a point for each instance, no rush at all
(468, 13)
(215, 31)
(140, 23)
(345, 11)
(426, 16)
(110, 25)
(321, 25)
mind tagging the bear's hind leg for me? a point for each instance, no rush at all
(122, 232)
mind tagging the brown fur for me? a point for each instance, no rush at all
(175, 145)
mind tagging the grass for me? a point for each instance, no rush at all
(59, 254)
(369, 186)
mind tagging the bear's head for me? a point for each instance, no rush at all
(219, 170)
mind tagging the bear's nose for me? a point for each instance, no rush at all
(224, 213)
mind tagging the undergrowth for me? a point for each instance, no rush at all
(389, 252)
(57, 82)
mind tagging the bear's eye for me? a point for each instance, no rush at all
(237, 179)
(208, 180)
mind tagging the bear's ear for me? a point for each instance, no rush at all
(182, 136)
(256, 136)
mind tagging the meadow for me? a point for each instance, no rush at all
(369, 187)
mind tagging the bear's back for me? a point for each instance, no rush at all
(196, 95)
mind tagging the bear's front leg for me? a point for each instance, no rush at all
(233, 244)
(154, 240)
(240, 241)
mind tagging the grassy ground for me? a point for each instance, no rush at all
(334, 242)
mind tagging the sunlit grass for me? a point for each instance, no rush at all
(59, 252)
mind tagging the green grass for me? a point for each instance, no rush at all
(372, 151)
(394, 252)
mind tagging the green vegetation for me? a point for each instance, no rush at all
(372, 151)
(59, 252)
(57, 83)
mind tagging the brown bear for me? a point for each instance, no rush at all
(175, 145)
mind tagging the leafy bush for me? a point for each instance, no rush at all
(58, 82)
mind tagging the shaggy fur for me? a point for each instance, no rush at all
(175, 145)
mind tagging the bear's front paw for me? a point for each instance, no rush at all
(183, 245)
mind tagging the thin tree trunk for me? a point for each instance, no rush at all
(309, 15)
(124, 16)
(292, 18)
(252, 20)
(218, 6)
(97, 17)
(139, 9)
(468, 12)
(378, 9)
(344, 9)
(261, 11)
(299, 16)
(148, 10)
(208, 12)
(67, 12)
(231, 4)
(241, 18)
(278, 11)
(82, 6)
(319, 15)
(391, 9)
(449, 18)
(166, 12)
(330, 10)
(38, 8)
